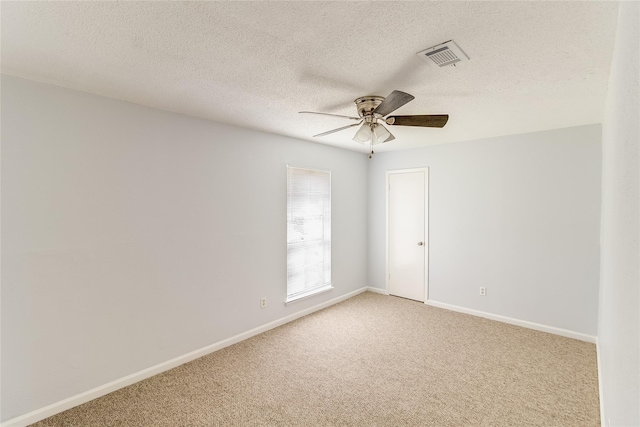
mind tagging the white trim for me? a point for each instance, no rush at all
(306, 168)
(426, 226)
(512, 321)
(377, 290)
(603, 420)
(311, 293)
(78, 399)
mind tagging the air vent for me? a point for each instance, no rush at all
(442, 55)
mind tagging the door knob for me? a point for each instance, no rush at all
(420, 243)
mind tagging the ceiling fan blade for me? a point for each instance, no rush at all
(428, 121)
(395, 100)
(327, 114)
(336, 130)
(363, 135)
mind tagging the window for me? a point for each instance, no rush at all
(308, 232)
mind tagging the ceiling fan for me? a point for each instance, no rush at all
(373, 112)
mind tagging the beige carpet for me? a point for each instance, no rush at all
(372, 360)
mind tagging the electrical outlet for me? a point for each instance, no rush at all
(483, 291)
(263, 302)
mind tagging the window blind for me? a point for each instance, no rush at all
(308, 232)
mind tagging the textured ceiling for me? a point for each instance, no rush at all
(534, 65)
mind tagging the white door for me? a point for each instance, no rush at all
(407, 245)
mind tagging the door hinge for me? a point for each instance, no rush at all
(389, 276)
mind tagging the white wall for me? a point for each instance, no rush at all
(518, 215)
(132, 236)
(619, 319)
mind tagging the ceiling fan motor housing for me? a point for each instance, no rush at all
(366, 104)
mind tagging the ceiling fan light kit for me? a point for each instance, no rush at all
(371, 116)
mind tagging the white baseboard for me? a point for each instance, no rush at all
(603, 420)
(377, 290)
(512, 321)
(78, 399)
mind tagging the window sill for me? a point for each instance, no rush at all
(306, 295)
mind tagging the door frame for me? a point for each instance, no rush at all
(426, 226)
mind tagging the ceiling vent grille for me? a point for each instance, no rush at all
(445, 54)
